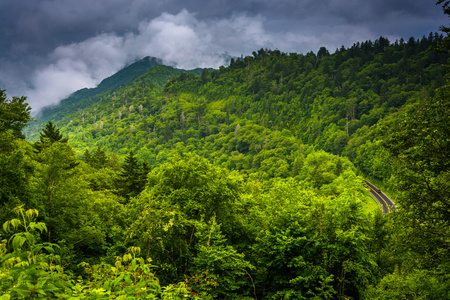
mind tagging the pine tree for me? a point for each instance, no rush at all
(133, 177)
(49, 135)
(87, 156)
(99, 159)
(52, 134)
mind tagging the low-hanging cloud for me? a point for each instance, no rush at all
(182, 40)
(76, 66)
(178, 39)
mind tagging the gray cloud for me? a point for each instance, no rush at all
(179, 39)
(51, 48)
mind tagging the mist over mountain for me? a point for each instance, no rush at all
(123, 77)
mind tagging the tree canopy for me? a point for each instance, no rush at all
(14, 114)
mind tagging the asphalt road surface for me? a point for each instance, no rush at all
(384, 201)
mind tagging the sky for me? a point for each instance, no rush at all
(52, 48)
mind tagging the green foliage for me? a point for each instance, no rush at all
(15, 172)
(14, 114)
(334, 102)
(133, 177)
(52, 134)
(33, 271)
(419, 284)
(28, 272)
(181, 195)
(310, 246)
(130, 277)
(49, 135)
(196, 186)
(217, 268)
(97, 160)
(421, 146)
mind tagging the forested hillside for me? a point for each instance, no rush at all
(123, 77)
(244, 182)
(236, 116)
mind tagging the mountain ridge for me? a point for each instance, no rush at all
(122, 77)
(336, 102)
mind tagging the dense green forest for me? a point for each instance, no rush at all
(244, 182)
(237, 116)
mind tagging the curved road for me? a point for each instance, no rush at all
(384, 201)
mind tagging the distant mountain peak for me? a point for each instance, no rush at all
(122, 77)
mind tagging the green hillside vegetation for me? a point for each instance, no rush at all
(244, 182)
(262, 113)
(123, 77)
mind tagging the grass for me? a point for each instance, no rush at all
(372, 204)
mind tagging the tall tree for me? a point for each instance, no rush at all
(183, 196)
(15, 167)
(98, 159)
(14, 114)
(445, 45)
(420, 146)
(130, 181)
(49, 135)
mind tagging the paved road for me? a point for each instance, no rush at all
(384, 201)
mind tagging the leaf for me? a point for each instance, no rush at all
(128, 279)
(6, 257)
(37, 248)
(49, 249)
(22, 290)
(18, 242)
(133, 264)
(31, 213)
(29, 237)
(5, 226)
(23, 255)
(39, 226)
(118, 279)
(14, 223)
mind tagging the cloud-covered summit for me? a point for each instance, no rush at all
(52, 48)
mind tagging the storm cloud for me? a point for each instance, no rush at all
(51, 48)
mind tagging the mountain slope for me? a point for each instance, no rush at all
(262, 113)
(123, 77)
(155, 76)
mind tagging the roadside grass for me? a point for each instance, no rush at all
(372, 204)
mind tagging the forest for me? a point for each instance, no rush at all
(245, 182)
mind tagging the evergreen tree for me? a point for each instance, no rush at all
(99, 159)
(52, 134)
(145, 169)
(130, 181)
(49, 135)
(87, 156)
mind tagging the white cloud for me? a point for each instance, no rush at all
(76, 66)
(180, 39)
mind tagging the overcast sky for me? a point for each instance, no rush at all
(51, 48)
